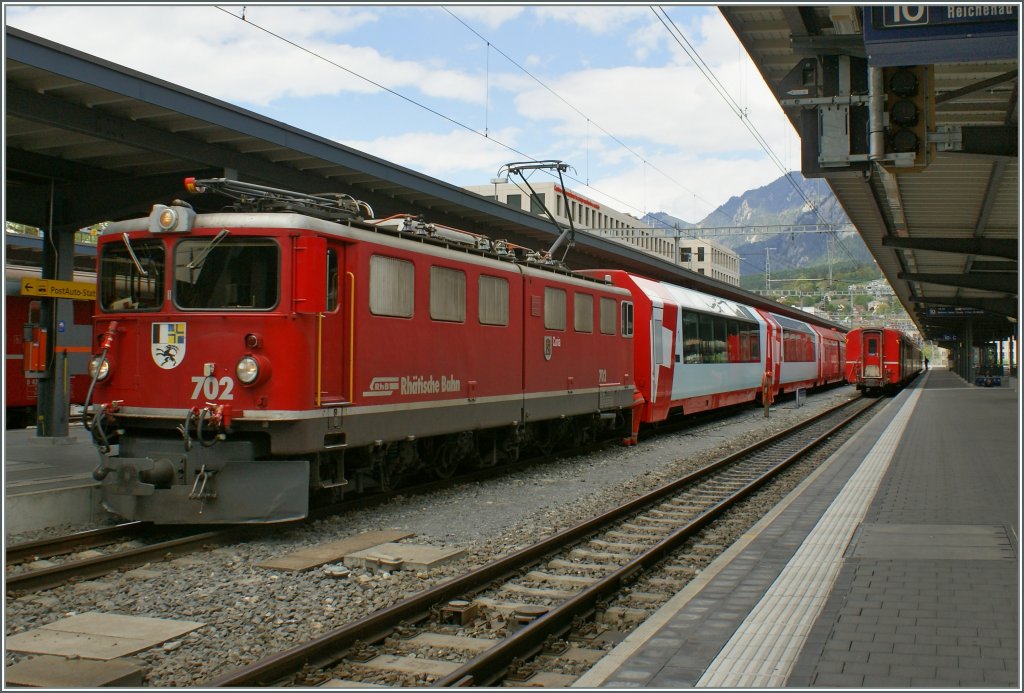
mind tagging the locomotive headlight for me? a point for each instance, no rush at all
(99, 368)
(176, 218)
(247, 370)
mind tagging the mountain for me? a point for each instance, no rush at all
(791, 201)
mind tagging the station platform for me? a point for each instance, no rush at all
(48, 481)
(896, 564)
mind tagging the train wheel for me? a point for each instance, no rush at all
(382, 469)
(453, 453)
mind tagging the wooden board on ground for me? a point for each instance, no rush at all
(402, 557)
(331, 552)
(96, 635)
(48, 671)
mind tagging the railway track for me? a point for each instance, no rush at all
(538, 614)
(136, 543)
(91, 566)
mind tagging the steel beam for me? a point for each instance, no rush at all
(1005, 282)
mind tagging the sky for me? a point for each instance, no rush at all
(455, 91)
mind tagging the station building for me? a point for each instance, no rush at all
(678, 246)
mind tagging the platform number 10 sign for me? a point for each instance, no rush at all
(906, 15)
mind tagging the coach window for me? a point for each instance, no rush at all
(691, 338)
(754, 338)
(332, 280)
(391, 286)
(583, 309)
(234, 273)
(721, 333)
(608, 313)
(733, 342)
(132, 278)
(627, 319)
(447, 294)
(493, 300)
(554, 308)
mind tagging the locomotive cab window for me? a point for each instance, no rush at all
(627, 319)
(226, 273)
(332, 280)
(131, 275)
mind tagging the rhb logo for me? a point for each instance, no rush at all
(382, 387)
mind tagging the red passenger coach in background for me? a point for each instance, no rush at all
(25, 347)
(881, 359)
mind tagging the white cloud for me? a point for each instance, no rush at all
(218, 54)
(462, 157)
(489, 16)
(597, 19)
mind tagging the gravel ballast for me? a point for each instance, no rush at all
(250, 612)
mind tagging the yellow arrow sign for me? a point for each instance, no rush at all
(57, 288)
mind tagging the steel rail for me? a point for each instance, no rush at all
(379, 624)
(57, 546)
(46, 578)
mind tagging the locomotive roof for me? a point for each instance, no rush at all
(355, 229)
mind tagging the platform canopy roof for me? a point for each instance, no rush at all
(946, 235)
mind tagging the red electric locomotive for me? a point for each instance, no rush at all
(881, 359)
(291, 346)
(25, 348)
(695, 351)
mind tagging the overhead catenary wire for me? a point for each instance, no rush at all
(693, 232)
(590, 121)
(740, 112)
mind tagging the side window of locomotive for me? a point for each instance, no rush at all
(447, 294)
(583, 312)
(332, 280)
(391, 286)
(627, 319)
(608, 314)
(492, 303)
(554, 308)
(132, 277)
(230, 273)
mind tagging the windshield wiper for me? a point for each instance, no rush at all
(206, 251)
(131, 251)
